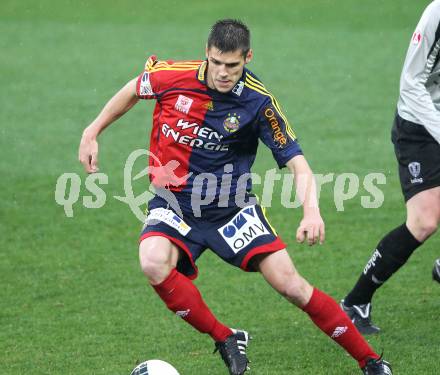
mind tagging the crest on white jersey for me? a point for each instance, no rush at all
(417, 37)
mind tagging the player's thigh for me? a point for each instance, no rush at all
(279, 271)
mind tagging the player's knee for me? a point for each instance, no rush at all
(427, 229)
(155, 265)
(296, 290)
(423, 227)
(154, 271)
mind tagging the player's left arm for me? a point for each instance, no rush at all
(276, 133)
(311, 227)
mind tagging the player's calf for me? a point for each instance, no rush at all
(329, 317)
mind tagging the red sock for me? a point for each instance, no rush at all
(182, 297)
(330, 318)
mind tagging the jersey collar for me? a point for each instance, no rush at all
(201, 72)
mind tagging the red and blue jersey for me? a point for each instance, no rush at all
(199, 131)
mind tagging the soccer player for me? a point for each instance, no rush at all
(208, 118)
(416, 138)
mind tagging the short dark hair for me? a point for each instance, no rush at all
(230, 35)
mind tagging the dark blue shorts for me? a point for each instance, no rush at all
(234, 234)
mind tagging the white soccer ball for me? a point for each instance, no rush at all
(154, 367)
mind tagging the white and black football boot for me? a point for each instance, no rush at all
(360, 315)
(436, 271)
(233, 351)
(377, 367)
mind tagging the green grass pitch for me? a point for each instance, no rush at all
(72, 297)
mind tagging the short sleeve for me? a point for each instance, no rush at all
(275, 132)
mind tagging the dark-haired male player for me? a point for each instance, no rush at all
(208, 118)
(416, 138)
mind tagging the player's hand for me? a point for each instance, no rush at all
(88, 153)
(312, 229)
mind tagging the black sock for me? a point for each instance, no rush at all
(391, 253)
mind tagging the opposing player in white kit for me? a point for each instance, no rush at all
(416, 138)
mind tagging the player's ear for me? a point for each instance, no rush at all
(206, 50)
(249, 56)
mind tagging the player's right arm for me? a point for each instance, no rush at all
(121, 102)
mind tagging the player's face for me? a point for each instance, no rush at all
(225, 68)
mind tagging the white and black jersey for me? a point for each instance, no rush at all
(419, 100)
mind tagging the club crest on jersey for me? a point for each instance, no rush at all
(415, 169)
(183, 104)
(232, 123)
